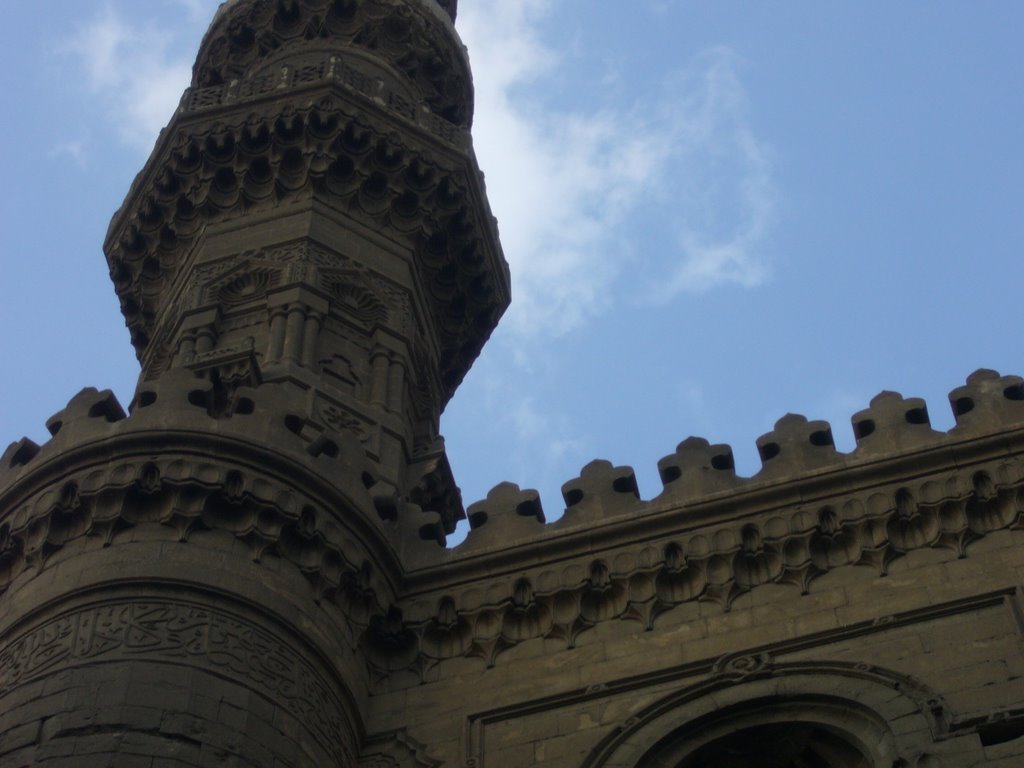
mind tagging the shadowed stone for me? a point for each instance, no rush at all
(601, 491)
(508, 514)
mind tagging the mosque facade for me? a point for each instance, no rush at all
(247, 564)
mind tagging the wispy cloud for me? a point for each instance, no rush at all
(565, 185)
(74, 149)
(726, 207)
(136, 69)
(535, 429)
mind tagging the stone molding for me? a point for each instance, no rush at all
(785, 531)
(797, 451)
(856, 699)
(308, 503)
(368, 298)
(313, 71)
(395, 750)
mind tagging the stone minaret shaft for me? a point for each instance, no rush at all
(313, 217)
(308, 267)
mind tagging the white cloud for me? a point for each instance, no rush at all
(534, 429)
(134, 68)
(726, 209)
(566, 184)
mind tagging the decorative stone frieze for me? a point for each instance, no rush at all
(413, 37)
(756, 543)
(396, 750)
(188, 636)
(615, 557)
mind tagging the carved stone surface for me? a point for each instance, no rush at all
(247, 33)
(330, 150)
(640, 582)
(396, 750)
(185, 635)
(247, 566)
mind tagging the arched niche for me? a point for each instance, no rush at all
(803, 732)
(757, 714)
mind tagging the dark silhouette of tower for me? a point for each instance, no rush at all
(247, 567)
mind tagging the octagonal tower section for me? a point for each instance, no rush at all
(308, 266)
(313, 217)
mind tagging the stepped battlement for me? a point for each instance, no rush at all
(892, 429)
(797, 450)
(709, 535)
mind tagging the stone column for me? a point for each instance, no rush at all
(295, 322)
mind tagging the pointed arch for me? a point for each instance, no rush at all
(827, 714)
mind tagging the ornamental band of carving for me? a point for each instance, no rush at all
(185, 634)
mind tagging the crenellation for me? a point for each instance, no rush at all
(893, 424)
(508, 514)
(17, 455)
(987, 402)
(797, 446)
(795, 547)
(601, 491)
(697, 469)
(87, 405)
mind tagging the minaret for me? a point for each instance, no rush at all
(308, 267)
(313, 218)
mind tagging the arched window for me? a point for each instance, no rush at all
(765, 714)
(778, 732)
(782, 745)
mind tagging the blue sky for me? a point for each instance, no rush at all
(715, 213)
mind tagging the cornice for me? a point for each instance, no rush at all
(307, 72)
(629, 520)
(701, 487)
